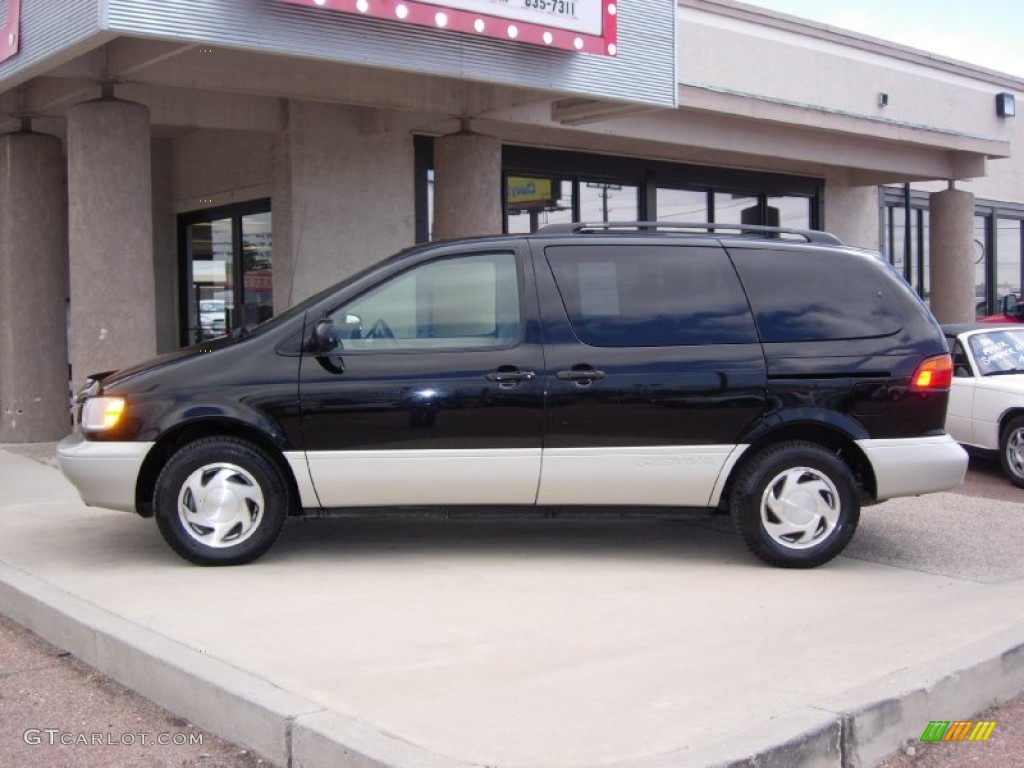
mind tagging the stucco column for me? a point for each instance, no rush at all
(951, 249)
(327, 224)
(467, 185)
(33, 288)
(851, 212)
(110, 236)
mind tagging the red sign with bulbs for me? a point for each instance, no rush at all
(585, 26)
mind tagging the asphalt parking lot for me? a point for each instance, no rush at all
(518, 643)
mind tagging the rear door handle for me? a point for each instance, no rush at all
(581, 375)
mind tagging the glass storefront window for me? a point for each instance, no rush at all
(1009, 257)
(536, 201)
(604, 201)
(257, 268)
(924, 264)
(733, 208)
(913, 265)
(683, 205)
(980, 274)
(788, 212)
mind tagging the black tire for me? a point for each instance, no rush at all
(795, 504)
(1011, 451)
(248, 502)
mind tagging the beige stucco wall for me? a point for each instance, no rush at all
(343, 195)
(805, 63)
(1004, 179)
(220, 167)
(165, 246)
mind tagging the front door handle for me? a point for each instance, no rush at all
(331, 364)
(508, 376)
(581, 375)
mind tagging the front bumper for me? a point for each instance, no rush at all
(105, 473)
(912, 466)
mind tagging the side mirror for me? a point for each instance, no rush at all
(323, 339)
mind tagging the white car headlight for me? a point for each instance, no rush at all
(101, 413)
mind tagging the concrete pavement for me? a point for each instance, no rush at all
(520, 643)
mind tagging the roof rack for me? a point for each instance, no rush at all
(810, 235)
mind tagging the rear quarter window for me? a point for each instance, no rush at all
(816, 294)
(651, 295)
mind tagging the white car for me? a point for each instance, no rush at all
(986, 399)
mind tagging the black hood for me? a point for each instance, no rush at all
(108, 378)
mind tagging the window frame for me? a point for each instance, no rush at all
(236, 213)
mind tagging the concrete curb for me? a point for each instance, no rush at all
(209, 693)
(880, 717)
(213, 695)
(857, 728)
(863, 726)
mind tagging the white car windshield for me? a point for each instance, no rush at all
(999, 352)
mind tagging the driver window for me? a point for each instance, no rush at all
(462, 302)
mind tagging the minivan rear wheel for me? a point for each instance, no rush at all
(1011, 451)
(220, 501)
(795, 504)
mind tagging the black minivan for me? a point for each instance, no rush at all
(774, 374)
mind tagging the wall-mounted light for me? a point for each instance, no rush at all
(1006, 105)
(883, 99)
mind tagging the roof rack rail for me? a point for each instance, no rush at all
(810, 235)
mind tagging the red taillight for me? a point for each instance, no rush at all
(933, 373)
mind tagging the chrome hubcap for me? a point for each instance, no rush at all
(800, 508)
(1015, 452)
(220, 505)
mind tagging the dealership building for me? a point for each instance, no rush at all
(175, 170)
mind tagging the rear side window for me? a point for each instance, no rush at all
(651, 295)
(816, 294)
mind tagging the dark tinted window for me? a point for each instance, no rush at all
(813, 294)
(651, 295)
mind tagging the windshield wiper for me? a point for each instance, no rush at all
(1005, 373)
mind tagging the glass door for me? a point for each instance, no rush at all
(226, 266)
(210, 294)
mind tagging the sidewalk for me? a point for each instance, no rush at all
(530, 642)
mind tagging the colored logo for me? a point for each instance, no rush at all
(958, 730)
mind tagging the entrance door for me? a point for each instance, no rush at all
(226, 270)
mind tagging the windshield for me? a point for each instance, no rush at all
(998, 352)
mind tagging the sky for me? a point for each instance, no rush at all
(989, 33)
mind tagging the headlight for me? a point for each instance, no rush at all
(101, 413)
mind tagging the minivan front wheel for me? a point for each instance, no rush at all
(220, 501)
(796, 505)
(1011, 451)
